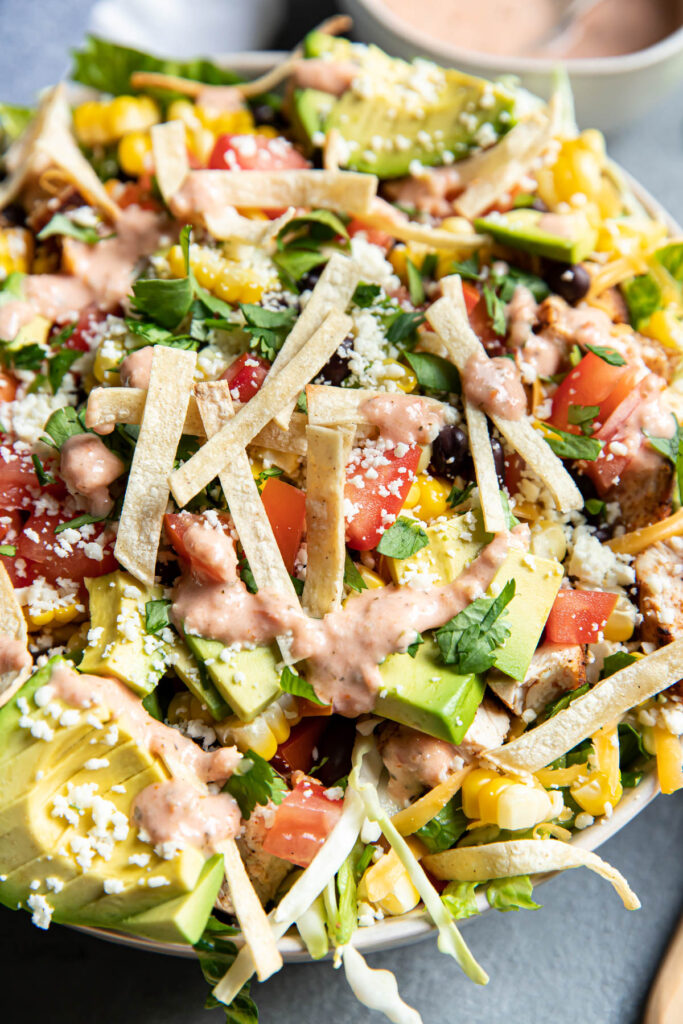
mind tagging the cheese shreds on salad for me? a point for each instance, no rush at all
(340, 516)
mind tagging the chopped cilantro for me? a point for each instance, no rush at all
(471, 638)
(292, 682)
(615, 662)
(433, 372)
(60, 364)
(402, 539)
(672, 449)
(266, 474)
(415, 646)
(555, 706)
(156, 615)
(365, 295)
(352, 578)
(63, 225)
(403, 327)
(583, 417)
(62, 424)
(573, 446)
(83, 520)
(608, 354)
(415, 285)
(595, 507)
(166, 301)
(468, 269)
(268, 327)
(44, 478)
(152, 706)
(255, 782)
(458, 495)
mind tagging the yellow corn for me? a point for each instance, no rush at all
(669, 759)
(228, 279)
(108, 356)
(16, 251)
(577, 177)
(433, 500)
(401, 375)
(621, 623)
(371, 579)
(601, 788)
(99, 122)
(387, 884)
(179, 707)
(504, 801)
(413, 495)
(267, 731)
(665, 327)
(59, 615)
(227, 122)
(135, 153)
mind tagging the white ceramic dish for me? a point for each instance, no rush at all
(416, 925)
(609, 91)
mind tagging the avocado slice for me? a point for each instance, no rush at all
(196, 678)
(567, 237)
(183, 919)
(118, 644)
(248, 679)
(398, 112)
(427, 695)
(453, 544)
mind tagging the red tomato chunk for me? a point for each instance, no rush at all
(177, 524)
(377, 484)
(579, 616)
(593, 382)
(245, 376)
(285, 507)
(302, 823)
(255, 153)
(56, 555)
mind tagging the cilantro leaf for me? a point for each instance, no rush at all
(415, 285)
(433, 372)
(404, 326)
(152, 706)
(643, 297)
(156, 615)
(445, 828)
(266, 474)
(352, 578)
(415, 646)
(318, 225)
(62, 424)
(573, 446)
(255, 782)
(60, 224)
(60, 364)
(429, 264)
(495, 307)
(292, 682)
(506, 282)
(403, 539)
(150, 332)
(460, 900)
(595, 507)
(672, 449)
(468, 269)
(583, 416)
(44, 478)
(365, 295)
(615, 662)
(608, 354)
(8, 549)
(167, 301)
(268, 327)
(25, 357)
(458, 495)
(511, 894)
(294, 263)
(470, 639)
(83, 520)
(555, 706)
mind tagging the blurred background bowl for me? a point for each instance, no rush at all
(609, 92)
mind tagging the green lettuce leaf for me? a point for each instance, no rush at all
(511, 894)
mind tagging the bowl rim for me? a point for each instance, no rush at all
(416, 925)
(577, 66)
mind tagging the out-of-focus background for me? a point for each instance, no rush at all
(583, 959)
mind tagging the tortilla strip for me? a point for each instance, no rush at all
(246, 508)
(171, 164)
(146, 497)
(328, 453)
(607, 701)
(448, 318)
(49, 142)
(485, 469)
(523, 857)
(342, 407)
(417, 814)
(12, 627)
(229, 224)
(256, 929)
(500, 168)
(208, 191)
(276, 392)
(385, 217)
(333, 290)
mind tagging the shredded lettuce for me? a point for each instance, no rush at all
(511, 894)
(460, 899)
(312, 929)
(450, 940)
(14, 120)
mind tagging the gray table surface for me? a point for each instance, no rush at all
(582, 958)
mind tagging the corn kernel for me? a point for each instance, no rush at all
(65, 614)
(413, 495)
(401, 375)
(504, 801)
(433, 499)
(99, 123)
(621, 623)
(388, 885)
(16, 251)
(108, 356)
(179, 707)
(228, 279)
(185, 111)
(90, 124)
(602, 786)
(669, 760)
(135, 153)
(36, 620)
(372, 580)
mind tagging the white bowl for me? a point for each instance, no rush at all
(609, 91)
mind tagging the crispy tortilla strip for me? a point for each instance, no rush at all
(49, 142)
(207, 191)
(605, 703)
(258, 935)
(146, 497)
(169, 149)
(448, 318)
(328, 453)
(342, 407)
(417, 814)
(276, 392)
(485, 469)
(500, 168)
(12, 631)
(333, 290)
(385, 217)
(247, 510)
(523, 857)
(229, 224)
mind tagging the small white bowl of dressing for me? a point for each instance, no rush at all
(622, 55)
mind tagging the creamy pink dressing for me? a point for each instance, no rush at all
(494, 385)
(176, 812)
(504, 27)
(403, 418)
(54, 296)
(135, 370)
(521, 316)
(208, 545)
(182, 756)
(343, 650)
(199, 194)
(13, 655)
(88, 467)
(220, 98)
(416, 761)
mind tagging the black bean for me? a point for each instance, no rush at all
(310, 278)
(498, 460)
(264, 113)
(569, 280)
(14, 215)
(450, 453)
(336, 744)
(336, 369)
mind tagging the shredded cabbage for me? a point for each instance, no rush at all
(376, 989)
(450, 940)
(312, 929)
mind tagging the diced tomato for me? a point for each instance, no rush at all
(177, 524)
(302, 823)
(19, 485)
(255, 153)
(514, 466)
(377, 484)
(11, 523)
(8, 387)
(87, 321)
(373, 235)
(593, 382)
(138, 193)
(471, 295)
(245, 376)
(54, 557)
(480, 321)
(579, 616)
(309, 709)
(297, 750)
(285, 507)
